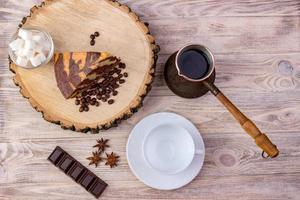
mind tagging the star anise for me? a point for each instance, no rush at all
(101, 145)
(95, 159)
(112, 159)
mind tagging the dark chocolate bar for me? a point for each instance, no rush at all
(77, 172)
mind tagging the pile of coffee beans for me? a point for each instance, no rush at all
(93, 37)
(103, 90)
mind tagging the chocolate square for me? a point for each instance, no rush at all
(66, 163)
(56, 155)
(77, 171)
(87, 180)
(98, 188)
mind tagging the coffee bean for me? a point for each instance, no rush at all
(92, 37)
(86, 108)
(111, 101)
(77, 102)
(125, 74)
(105, 85)
(116, 85)
(121, 81)
(111, 88)
(104, 99)
(91, 92)
(115, 93)
(102, 92)
(81, 109)
(120, 76)
(111, 73)
(93, 103)
(84, 93)
(122, 65)
(97, 103)
(116, 79)
(97, 34)
(105, 74)
(98, 96)
(104, 82)
(92, 43)
(88, 98)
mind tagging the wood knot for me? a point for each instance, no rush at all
(288, 116)
(285, 68)
(271, 118)
(225, 158)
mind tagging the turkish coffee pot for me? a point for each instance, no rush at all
(190, 73)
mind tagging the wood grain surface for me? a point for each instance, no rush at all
(257, 49)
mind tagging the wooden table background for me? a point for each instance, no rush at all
(257, 48)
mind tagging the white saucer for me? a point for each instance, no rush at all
(152, 177)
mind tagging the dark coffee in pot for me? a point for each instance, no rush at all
(193, 64)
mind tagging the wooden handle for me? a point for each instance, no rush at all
(261, 139)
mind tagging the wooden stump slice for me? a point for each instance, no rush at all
(70, 23)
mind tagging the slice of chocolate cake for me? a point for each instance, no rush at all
(76, 72)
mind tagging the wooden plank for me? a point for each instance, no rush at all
(187, 8)
(230, 35)
(225, 35)
(223, 188)
(205, 8)
(270, 117)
